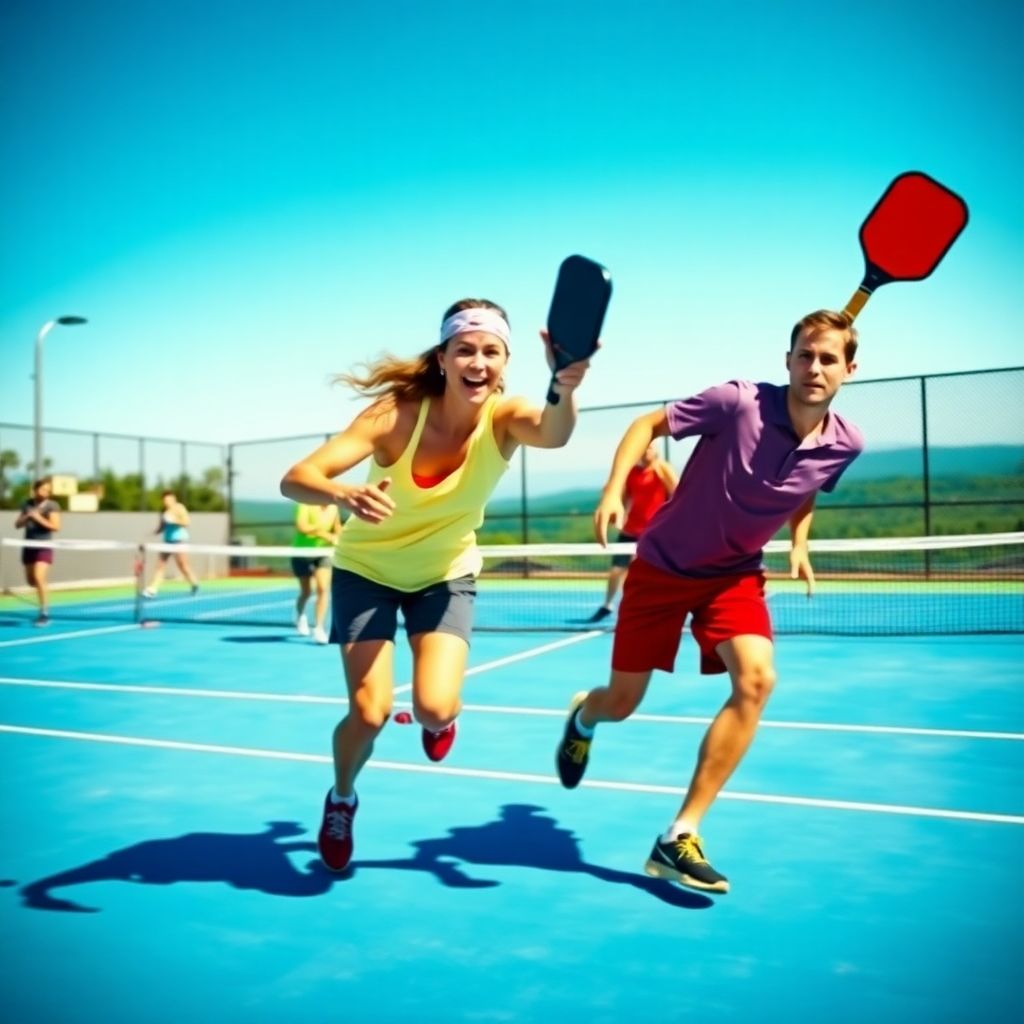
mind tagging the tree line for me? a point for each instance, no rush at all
(119, 492)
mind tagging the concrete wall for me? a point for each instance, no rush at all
(130, 527)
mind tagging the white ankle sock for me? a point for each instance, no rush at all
(678, 827)
(585, 731)
(335, 799)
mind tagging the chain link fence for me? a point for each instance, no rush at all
(945, 455)
(125, 472)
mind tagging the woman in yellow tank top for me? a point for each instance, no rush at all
(439, 435)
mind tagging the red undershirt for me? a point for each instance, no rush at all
(429, 481)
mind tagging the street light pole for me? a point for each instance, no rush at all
(65, 321)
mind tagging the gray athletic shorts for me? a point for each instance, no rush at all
(303, 568)
(364, 610)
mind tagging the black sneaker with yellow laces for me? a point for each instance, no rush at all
(574, 750)
(682, 860)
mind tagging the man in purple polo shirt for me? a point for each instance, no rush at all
(764, 453)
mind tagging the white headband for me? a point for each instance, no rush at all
(475, 319)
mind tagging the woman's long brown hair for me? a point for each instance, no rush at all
(410, 380)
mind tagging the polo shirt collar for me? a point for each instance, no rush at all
(780, 415)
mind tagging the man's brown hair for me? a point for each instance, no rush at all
(824, 320)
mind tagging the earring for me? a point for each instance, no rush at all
(442, 371)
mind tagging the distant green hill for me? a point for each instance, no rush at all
(987, 479)
(895, 475)
(578, 499)
(255, 511)
(976, 460)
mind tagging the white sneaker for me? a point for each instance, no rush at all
(319, 635)
(149, 592)
(302, 626)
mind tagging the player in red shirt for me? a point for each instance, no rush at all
(649, 485)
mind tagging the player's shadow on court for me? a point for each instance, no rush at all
(18, 618)
(264, 638)
(522, 836)
(254, 860)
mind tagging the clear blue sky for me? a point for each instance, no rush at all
(245, 197)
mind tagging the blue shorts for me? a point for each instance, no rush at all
(622, 561)
(364, 610)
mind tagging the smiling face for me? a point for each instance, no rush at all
(473, 364)
(817, 366)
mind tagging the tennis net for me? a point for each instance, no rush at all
(890, 586)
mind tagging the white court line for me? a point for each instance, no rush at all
(53, 637)
(246, 609)
(499, 709)
(522, 655)
(165, 602)
(205, 597)
(174, 691)
(542, 780)
(208, 593)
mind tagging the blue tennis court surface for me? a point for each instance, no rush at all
(164, 788)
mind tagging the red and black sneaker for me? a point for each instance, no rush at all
(437, 744)
(335, 839)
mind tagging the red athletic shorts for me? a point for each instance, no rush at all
(654, 607)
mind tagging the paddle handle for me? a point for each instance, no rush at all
(856, 303)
